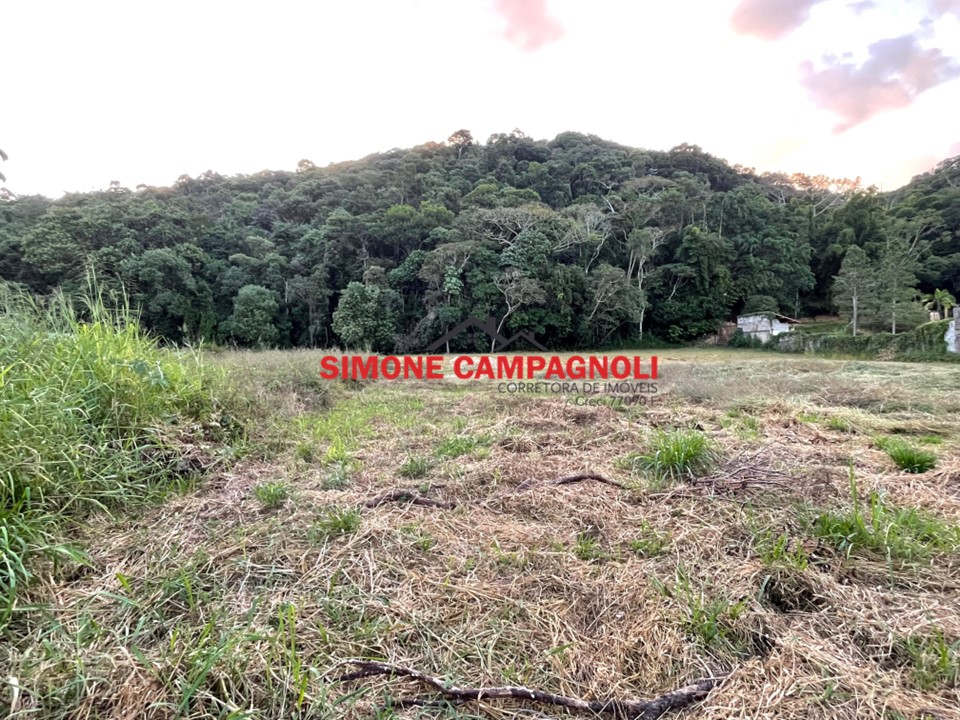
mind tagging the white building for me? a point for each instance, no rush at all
(764, 326)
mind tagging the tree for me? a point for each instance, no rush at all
(365, 317)
(461, 140)
(252, 321)
(941, 301)
(4, 157)
(897, 275)
(518, 290)
(856, 285)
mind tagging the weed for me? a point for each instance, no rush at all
(778, 550)
(676, 455)
(709, 620)
(907, 457)
(305, 452)
(272, 494)
(418, 538)
(896, 533)
(839, 424)
(334, 522)
(337, 477)
(92, 413)
(458, 445)
(933, 661)
(650, 543)
(415, 467)
(587, 547)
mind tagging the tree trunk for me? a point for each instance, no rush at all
(854, 315)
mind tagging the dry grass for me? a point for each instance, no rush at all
(216, 604)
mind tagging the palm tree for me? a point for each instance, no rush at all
(939, 300)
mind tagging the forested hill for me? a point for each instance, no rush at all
(581, 241)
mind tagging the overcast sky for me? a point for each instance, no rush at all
(145, 92)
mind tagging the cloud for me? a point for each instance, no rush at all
(861, 6)
(895, 73)
(943, 7)
(770, 19)
(529, 24)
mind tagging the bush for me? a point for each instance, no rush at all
(739, 339)
(91, 412)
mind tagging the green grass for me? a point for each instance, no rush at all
(675, 455)
(779, 551)
(710, 620)
(932, 660)
(649, 543)
(588, 548)
(907, 457)
(93, 416)
(416, 466)
(334, 522)
(839, 424)
(338, 476)
(895, 533)
(272, 494)
(458, 445)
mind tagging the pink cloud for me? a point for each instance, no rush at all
(529, 25)
(895, 73)
(770, 19)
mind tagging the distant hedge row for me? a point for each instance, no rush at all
(925, 342)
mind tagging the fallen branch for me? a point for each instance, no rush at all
(408, 496)
(570, 479)
(620, 709)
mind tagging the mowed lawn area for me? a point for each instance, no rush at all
(784, 528)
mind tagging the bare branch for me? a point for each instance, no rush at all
(621, 709)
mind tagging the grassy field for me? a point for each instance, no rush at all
(784, 527)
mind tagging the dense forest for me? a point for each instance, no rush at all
(580, 241)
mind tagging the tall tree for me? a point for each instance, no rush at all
(856, 286)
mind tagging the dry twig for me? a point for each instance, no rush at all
(621, 709)
(408, 496)
(570, 479)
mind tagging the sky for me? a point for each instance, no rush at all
(142, 93)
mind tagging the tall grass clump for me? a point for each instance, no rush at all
(91, 410)
(906, 456)
(675, 455)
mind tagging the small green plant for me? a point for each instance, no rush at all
(896, 533)
(335, 521)
(930, 440)
(907, 457)
(339, 476)
(839, 424)
(418, 537)
(416, 466)
(458, 445)
(337, 452)
(778, 550)
(676, 455)
(650, 542)
(272, 494)
(709, 620)
(306, 452)
(933, 661)
(587, 547)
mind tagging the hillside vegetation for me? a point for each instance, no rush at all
(581, 241)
